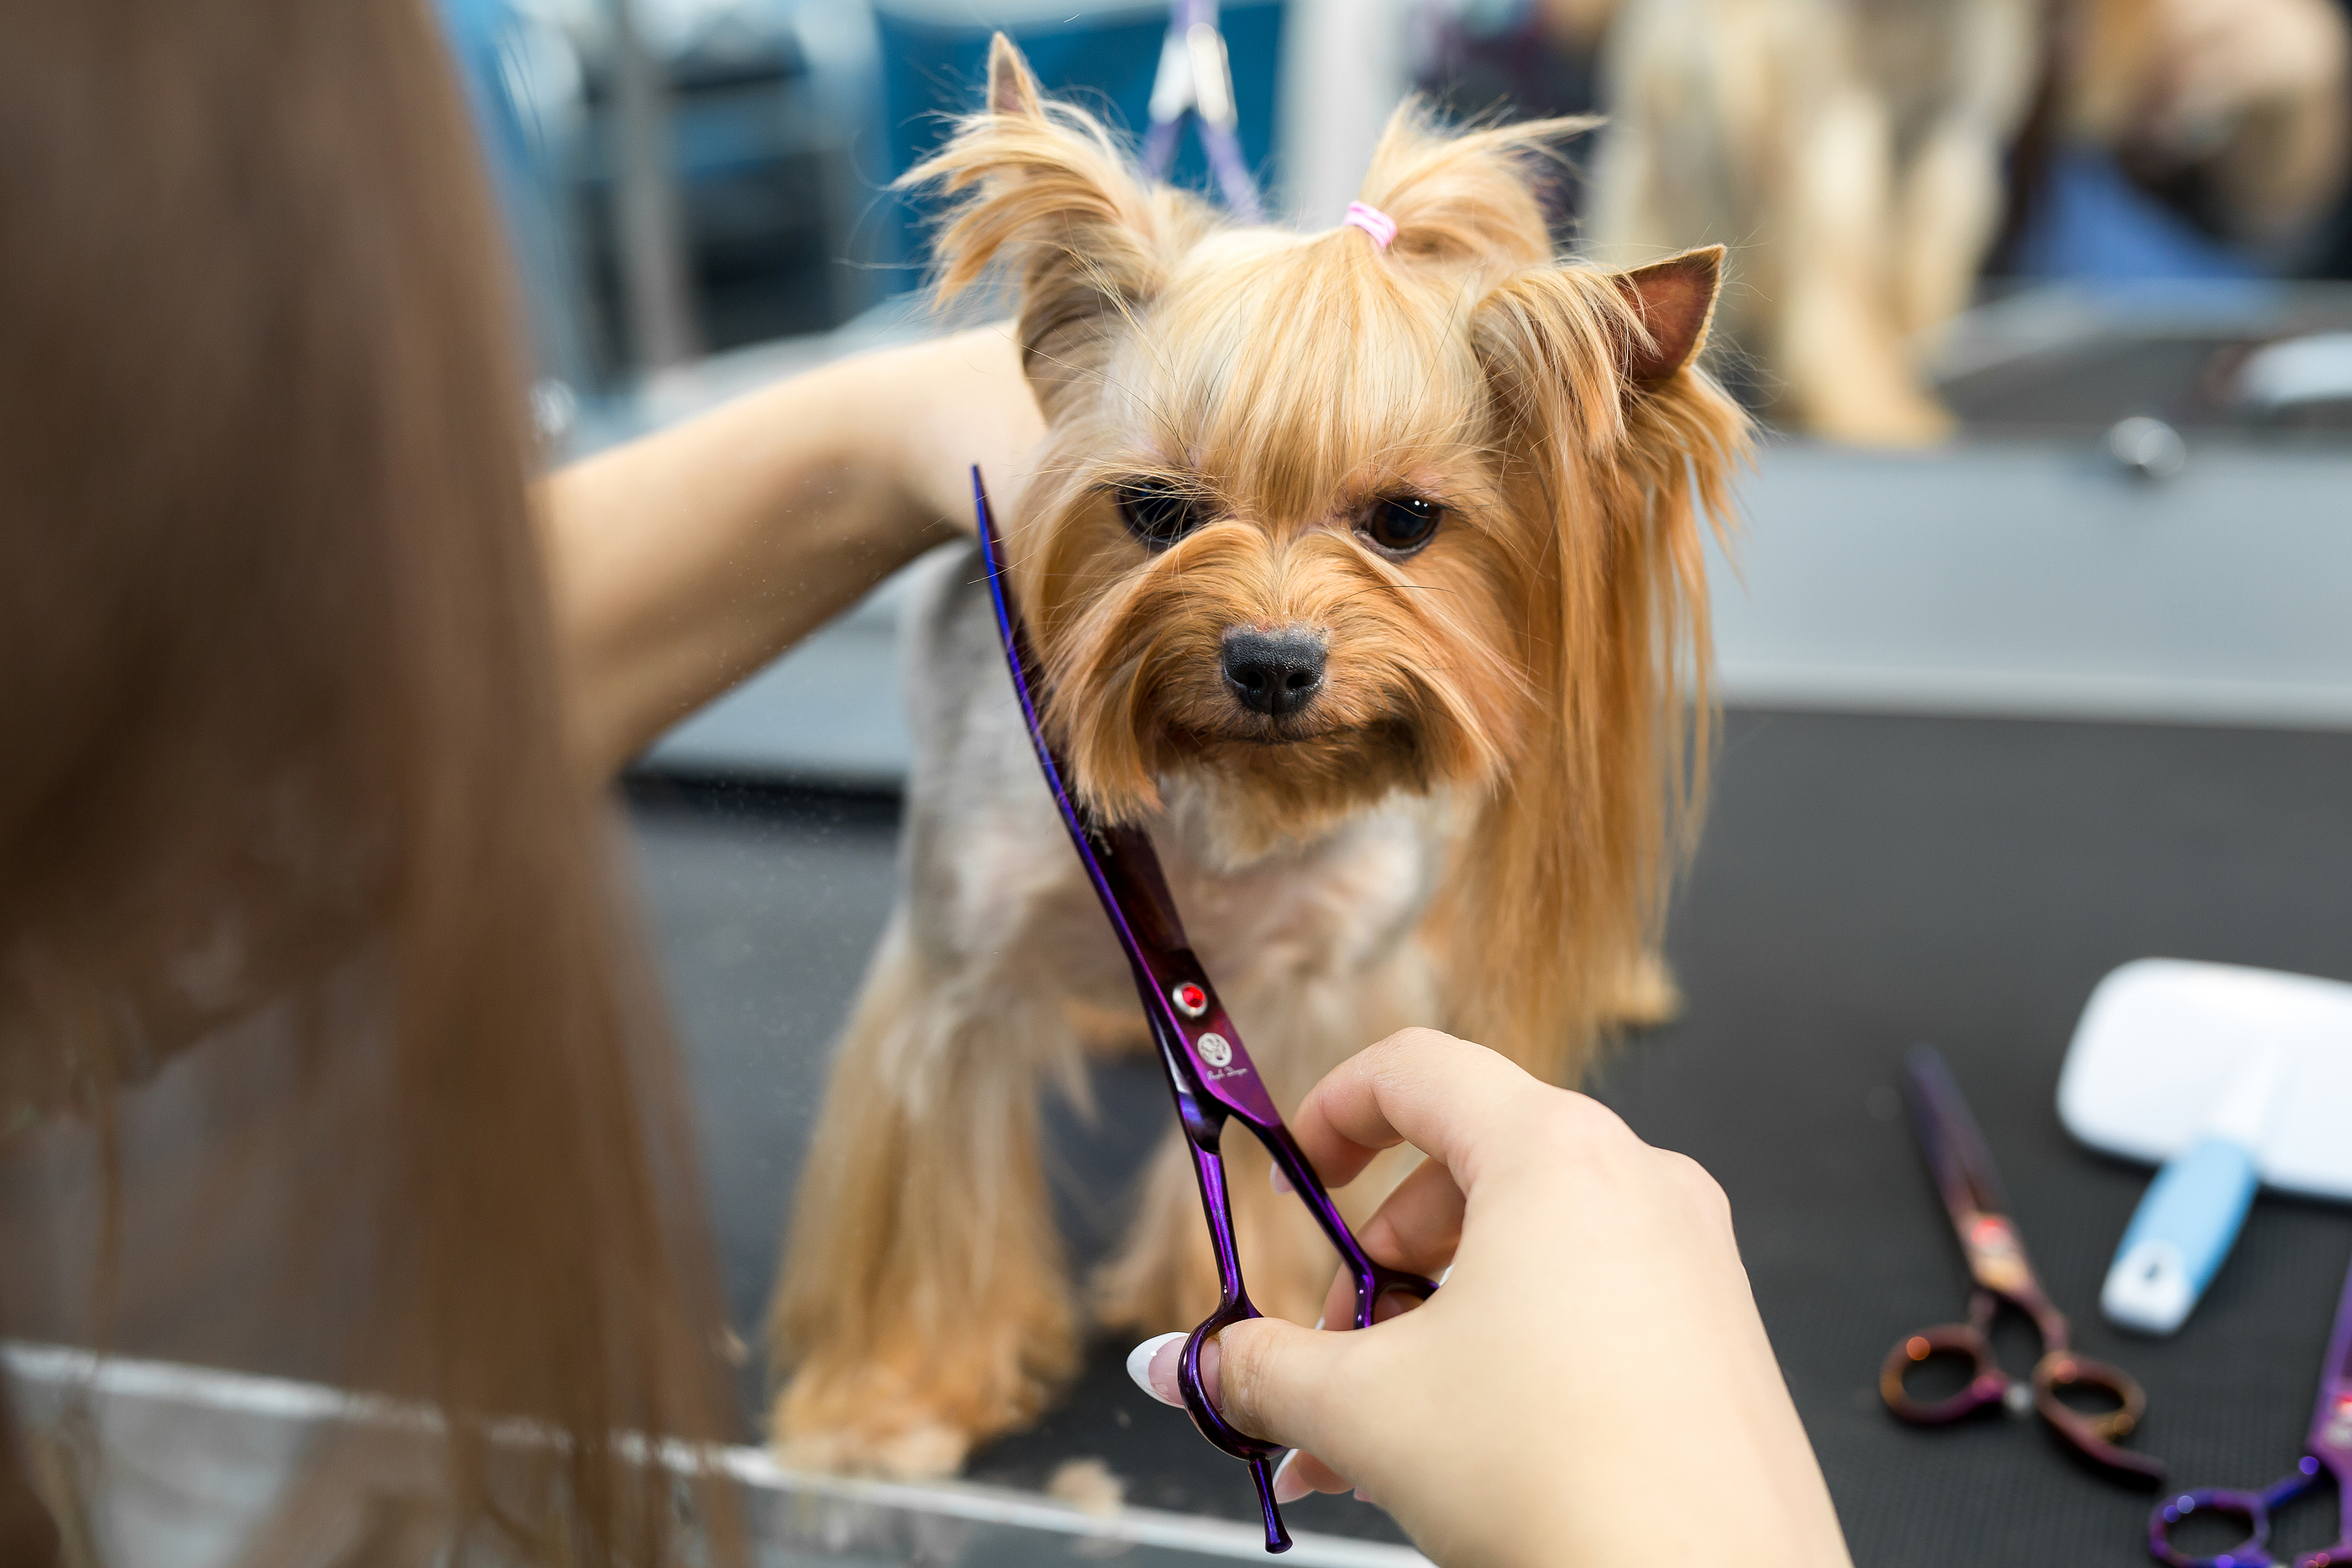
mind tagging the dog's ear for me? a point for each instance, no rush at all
(1673, 300)
(1612, 449)
(1049, 187)
(1011, 86)
(1472, 197)
(1568, 349)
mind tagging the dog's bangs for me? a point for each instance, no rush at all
(1294, 373)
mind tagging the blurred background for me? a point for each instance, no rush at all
(2017, 283)
(2033, 636)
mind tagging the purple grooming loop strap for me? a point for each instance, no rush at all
(1209, 1072)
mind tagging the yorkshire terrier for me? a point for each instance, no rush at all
(1365, 568)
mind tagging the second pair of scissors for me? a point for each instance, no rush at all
(1972, 1195)
(2328, 1450)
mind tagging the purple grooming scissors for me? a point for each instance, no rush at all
(1196, 78)
(1964, 1174)
(1208, 1071)
(2327, 1447)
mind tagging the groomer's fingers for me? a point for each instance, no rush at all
(1418, 1226)
(1340, 1304)
(1283, 1383)
(1441, 1095)
(1302, 1473)
(1272, 1379)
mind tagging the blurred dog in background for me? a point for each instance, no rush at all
(1366, 572)
(1862, 157)
(1851, 149)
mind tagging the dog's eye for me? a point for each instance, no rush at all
(1403, 524)
(1157, 514)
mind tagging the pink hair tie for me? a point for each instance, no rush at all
(1372, 221)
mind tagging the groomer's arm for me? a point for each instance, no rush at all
(682, 562)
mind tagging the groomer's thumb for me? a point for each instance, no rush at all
(1280, 1381)
(1272, 1379)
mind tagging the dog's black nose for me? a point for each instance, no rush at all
(1272, 673)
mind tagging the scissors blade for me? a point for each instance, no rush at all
(1202, 1050)
(1948, 1134)
(1120, 859)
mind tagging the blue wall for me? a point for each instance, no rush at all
(930, 70)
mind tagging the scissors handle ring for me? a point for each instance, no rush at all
(2065, 1369)
(2094, 1437)
(1988, 1384)
(1197, 1404)
(1376, 1282)
(2253, 1507)
(1256, 1452)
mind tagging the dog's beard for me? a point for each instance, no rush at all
(1260, 783)
(1263, 792)
(1237, 804)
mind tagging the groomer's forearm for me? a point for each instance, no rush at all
(682, 562)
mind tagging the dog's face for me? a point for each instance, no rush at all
(1318, 520)
(1272, 552)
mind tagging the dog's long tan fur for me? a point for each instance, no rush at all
(1473, 824)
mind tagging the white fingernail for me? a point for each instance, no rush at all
(1138, 1366)
(1285, 1488)
(1318, 1321)
(1281, 1182)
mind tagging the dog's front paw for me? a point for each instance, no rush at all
(916, 1414)
(865, 1423)
(1646, 995)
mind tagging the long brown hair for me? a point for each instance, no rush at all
(282, 775)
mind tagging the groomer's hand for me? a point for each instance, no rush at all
(682, 562)
(1592, 1385)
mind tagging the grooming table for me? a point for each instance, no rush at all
(195, 1456)
(1866, 881)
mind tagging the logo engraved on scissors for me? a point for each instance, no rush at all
(1215, 1049)
(1995, 1255)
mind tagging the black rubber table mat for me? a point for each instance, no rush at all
(1869, 883)
(1864, 882)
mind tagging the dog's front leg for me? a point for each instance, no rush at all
(924, 1302)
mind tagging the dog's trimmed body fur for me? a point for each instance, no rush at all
(1456, 483)
(998, 964)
